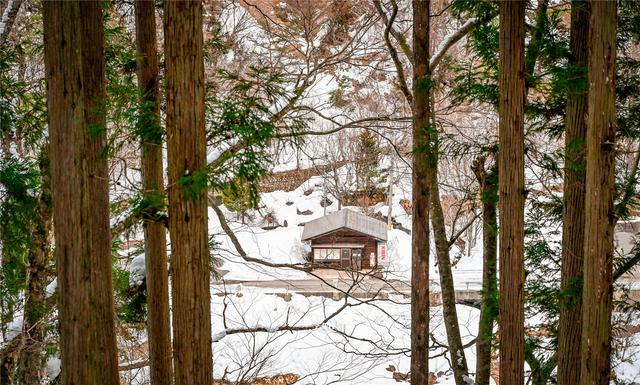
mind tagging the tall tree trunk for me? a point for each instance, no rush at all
(36, 307)
(449, 312)
(570, 325)
(448, 291)
(99, 236)
(511, 191)
(421, 191)
(187, 193)
(489, 307)
(150, 131)
(600, 177)
(74, 60)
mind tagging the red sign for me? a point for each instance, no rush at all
(383, 254)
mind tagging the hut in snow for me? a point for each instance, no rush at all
(347, 239)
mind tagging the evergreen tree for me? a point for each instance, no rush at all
(367, 164)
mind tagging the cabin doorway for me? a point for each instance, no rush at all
(356, 259)
(345, 258)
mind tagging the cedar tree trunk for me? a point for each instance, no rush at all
(511, 191)
(155, 242)
(599, 216)
(74, 60)
(187, 193)
(570, 325)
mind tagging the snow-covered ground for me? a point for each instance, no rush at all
(336, 352)
(356, 347)
(283, 244)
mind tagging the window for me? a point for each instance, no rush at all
(326, 254)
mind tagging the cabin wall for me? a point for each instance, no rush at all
(347, 236)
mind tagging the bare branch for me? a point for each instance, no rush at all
(123, 367)
(464, 228)
(402, 80)
(340, 127)
(402, 41)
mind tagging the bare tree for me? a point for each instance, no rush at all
(488, 308)
(421, 196)
(430, 152)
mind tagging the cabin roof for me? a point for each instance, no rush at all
(345, 219)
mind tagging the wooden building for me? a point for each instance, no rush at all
(347, 239)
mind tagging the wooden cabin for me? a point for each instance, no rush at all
(347, 239)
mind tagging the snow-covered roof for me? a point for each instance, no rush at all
(348, 219)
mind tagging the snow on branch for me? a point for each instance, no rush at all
(450, 40)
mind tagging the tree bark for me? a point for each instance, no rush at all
(188, 193)
(74, 60)
(600, 177)
(448, 292)
(97, 210)
(449, 312)
(9, 356)
(421, 193)
(570, 325)
(36, 307)
(150, 131)
(511, 191)
(489, 307)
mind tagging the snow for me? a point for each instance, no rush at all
(323, 354)
(216, 337)
(51, 288)
(14, 328)
(319, 353)
(215, 153)
(52, 367)
(5, 16)
(447, 39)
(137, 270)
(626, 367)
(310, 352)
(283, 245)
